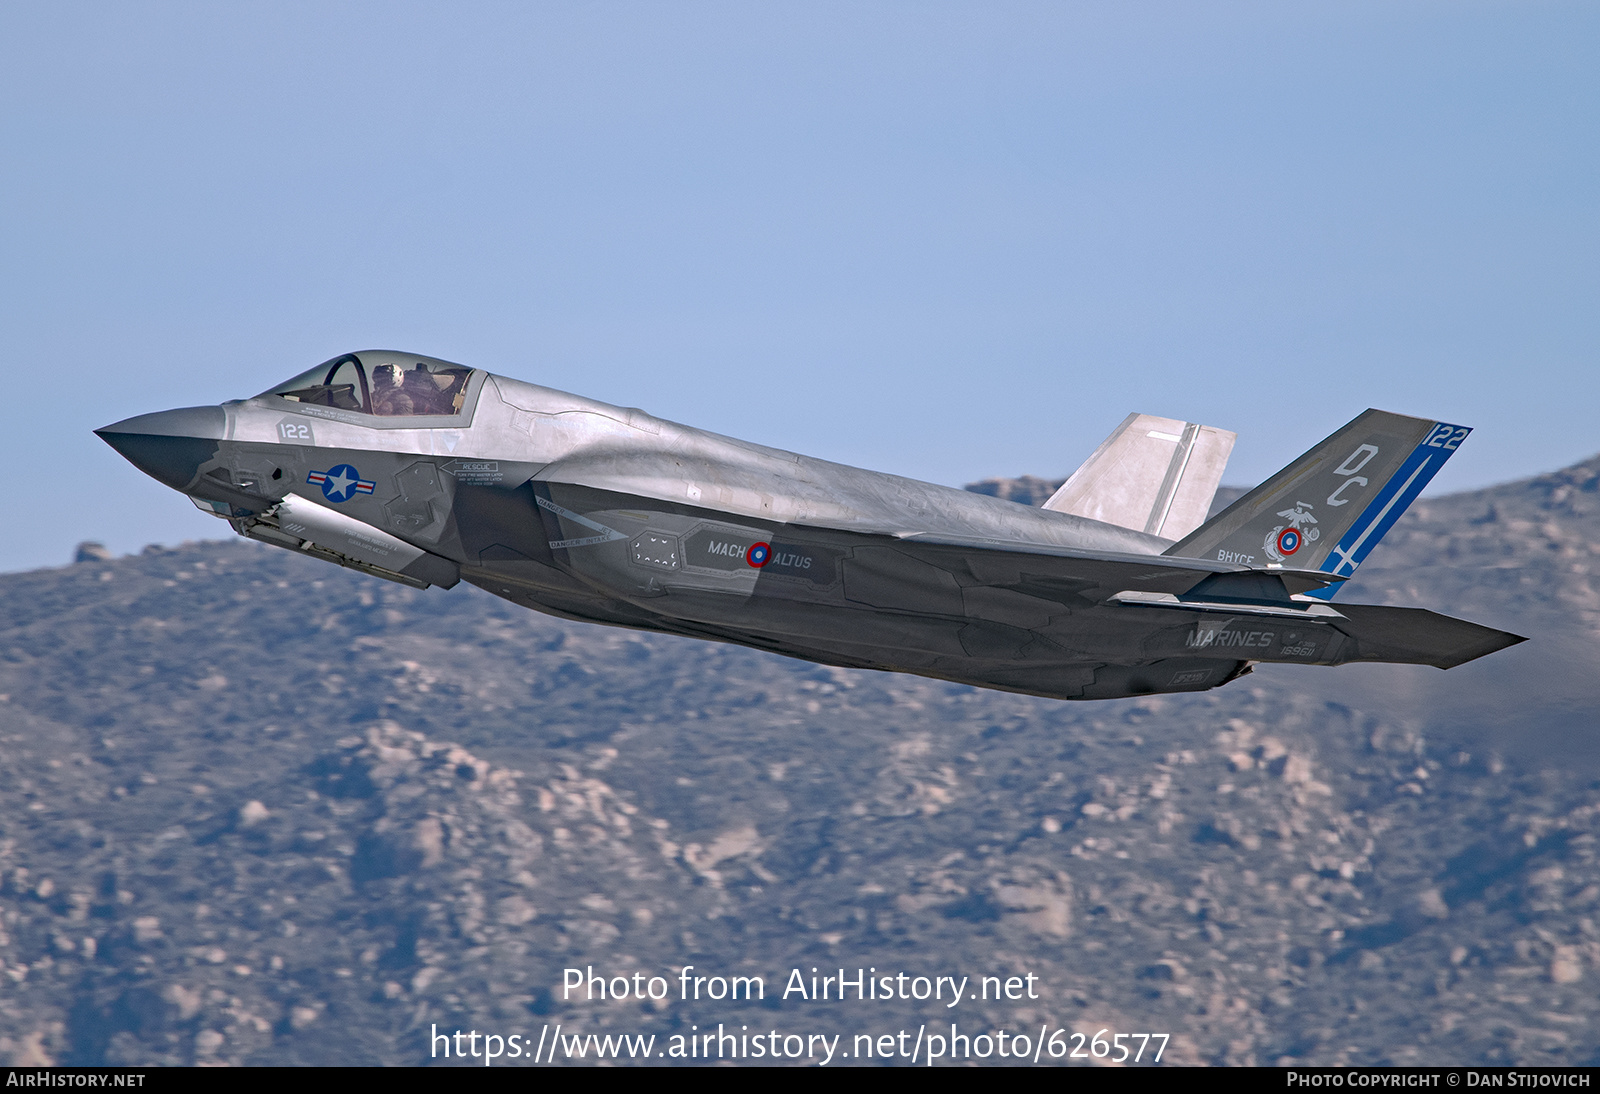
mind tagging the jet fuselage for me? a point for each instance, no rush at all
(607, 514)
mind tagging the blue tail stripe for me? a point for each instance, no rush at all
(1394, 498)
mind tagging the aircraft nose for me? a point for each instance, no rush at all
(170, 445)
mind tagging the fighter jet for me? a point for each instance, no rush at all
(429, 473)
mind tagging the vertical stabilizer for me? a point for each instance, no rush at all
(1155, 475)
(1329, 508)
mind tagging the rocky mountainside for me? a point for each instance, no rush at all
(255, 809)
(1024, 490)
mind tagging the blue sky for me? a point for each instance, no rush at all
(945, 240)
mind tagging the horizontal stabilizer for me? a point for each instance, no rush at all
(1329, 508)
(1416, 636)
(1153, 475)
(1315, 611)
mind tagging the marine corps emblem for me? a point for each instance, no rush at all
(1287, 538)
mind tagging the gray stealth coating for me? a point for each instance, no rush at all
(594, 512)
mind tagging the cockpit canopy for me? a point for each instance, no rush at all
(393, 385)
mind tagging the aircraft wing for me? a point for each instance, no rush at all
(1168, 584)
(1416, 636)
(1087, 573)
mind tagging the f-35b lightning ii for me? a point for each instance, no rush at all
(429, 473)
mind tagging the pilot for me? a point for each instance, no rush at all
(389, 396)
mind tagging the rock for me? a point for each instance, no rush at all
(1044, 906)
(1567, 965)
(1296, 770)
(1430, 902)
(185, 999)
(514, 911)
(1026, 490)
(429, 840)
(90, 551)
(30, 1051)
